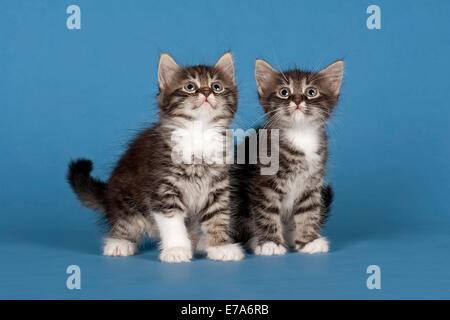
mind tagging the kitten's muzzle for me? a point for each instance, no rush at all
(296, 106)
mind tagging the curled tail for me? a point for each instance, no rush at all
(90, 191)
(327, 198)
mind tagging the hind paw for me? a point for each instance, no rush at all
(228, 252)
(119, 247)
(320, 245)
(270, 248)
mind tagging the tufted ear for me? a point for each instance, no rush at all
(226, 64)
(264, 74)
(167, 68)
(332, 75)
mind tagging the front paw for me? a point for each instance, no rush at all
(320, 245)
(227, 252)
(176, 255)
(270, 248)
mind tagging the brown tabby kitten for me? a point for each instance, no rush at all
(288, 208)
(151, 191)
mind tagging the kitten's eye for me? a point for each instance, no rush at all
(217, 87)
(190, 87)
(284, 93)
(311, 92)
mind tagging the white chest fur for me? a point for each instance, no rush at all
(307, 140)
(198, 141)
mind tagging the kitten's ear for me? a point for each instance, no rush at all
(264, 73)
(226, 64)
(333, 76)
(166, 70)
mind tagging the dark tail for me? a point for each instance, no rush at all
(327, 198)
(90, 191)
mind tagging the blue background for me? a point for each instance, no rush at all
(70, 93)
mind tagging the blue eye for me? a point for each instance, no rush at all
(284, 92)
(190, 87)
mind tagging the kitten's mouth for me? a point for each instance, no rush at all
(298, 110)
(203, 105)
(206, 104)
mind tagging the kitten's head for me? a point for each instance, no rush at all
(297, 97)
(197, 92)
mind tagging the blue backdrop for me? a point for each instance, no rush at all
(69, 93)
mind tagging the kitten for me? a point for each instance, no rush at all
(289, 208)
(151, 191)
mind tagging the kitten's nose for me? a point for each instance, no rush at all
(205, 91)
(297, 100)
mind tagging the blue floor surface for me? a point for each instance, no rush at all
(413, 260)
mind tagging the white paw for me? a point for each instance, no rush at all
(176, 254)
(319, 245)
(270, 248)
(119, 247)
(227, 252)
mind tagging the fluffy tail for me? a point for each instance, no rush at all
(90, 191)
(327, 197)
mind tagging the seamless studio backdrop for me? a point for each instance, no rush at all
(70, 93)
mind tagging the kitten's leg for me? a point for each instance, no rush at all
(307, 216)
(194, 232)
(175, 243)
(267, 227)
(124, 236)
(202, 243)
(215, 221)
(169, 213)
(289, 231)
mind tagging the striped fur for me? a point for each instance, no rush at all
(148, 193)
(290, 207)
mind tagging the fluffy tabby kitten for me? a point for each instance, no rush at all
(289, 208)
(150, 193)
